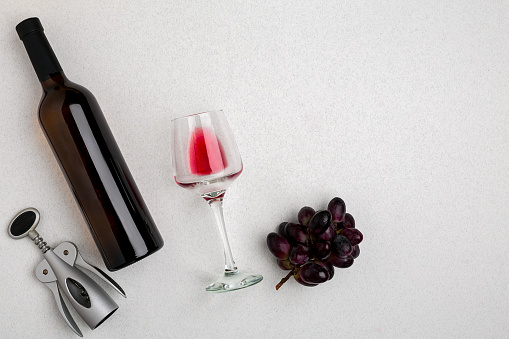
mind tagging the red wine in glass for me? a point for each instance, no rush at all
(206, 155)
(208, 163)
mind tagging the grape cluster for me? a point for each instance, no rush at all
(319, 242)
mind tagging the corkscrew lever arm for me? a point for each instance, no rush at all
(45, 274)
(62, 308)
(97, 271)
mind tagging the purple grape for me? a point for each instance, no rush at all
(305, 215)
(281, 229)
(341, 246)
(320, 222)
(341, 262)
(321, 249)
(356, 251)
(337, 208)
(278, 246)
(329, 233)
(348, 221)
(353, 234)
(321, 241)
(312, 273)
(285, 265)
(299, 255)
(296, 233)
(298, 278)
(327, 265)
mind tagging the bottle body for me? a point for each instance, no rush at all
(97, 174)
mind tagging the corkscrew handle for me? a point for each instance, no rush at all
(24, 224)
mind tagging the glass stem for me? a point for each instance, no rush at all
(217, 207)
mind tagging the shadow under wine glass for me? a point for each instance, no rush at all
(206, 160)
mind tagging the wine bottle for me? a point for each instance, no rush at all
(90, 159)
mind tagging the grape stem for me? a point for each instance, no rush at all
(285, 279)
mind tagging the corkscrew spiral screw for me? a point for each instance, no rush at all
(38, 240)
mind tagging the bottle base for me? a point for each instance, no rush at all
(124, 265)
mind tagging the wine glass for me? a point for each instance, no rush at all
(206, 160)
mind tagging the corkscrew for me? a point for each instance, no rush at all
(59, 273)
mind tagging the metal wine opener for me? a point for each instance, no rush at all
(58, 271)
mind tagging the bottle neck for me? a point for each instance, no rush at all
(41, 55)
(54, 81)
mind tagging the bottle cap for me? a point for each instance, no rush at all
(28, 26)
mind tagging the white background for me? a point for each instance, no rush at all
(399, 107)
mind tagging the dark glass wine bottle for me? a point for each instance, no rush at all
(90, 159)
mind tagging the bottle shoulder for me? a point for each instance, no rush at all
(59, 97)
(67, 88)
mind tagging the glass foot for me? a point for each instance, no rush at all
(232, 281)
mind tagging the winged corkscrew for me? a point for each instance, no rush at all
(59, 273)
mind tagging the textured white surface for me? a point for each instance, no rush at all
(400, 107)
